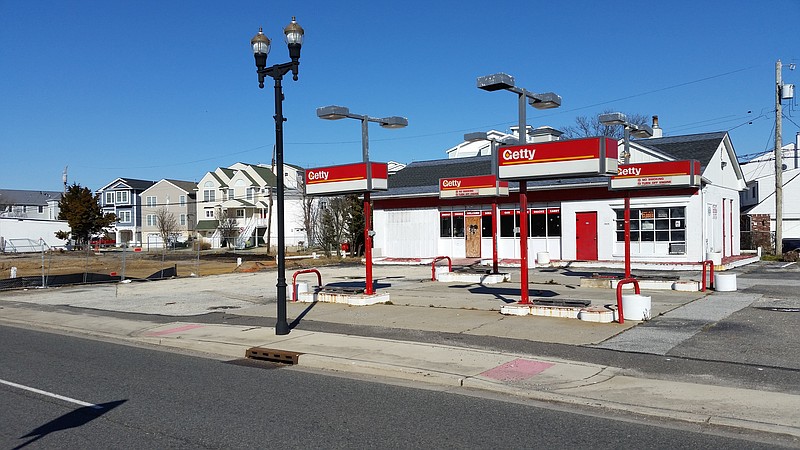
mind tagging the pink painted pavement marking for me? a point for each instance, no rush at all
(174, 330)
(517, 370)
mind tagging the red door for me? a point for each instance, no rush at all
(586, 236)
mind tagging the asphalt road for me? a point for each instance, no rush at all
(156, 399)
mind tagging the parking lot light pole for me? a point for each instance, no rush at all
(548, 100)
(261, 46)
(334, 112)
(619, 119)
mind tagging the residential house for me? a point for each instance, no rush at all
(29, 219)
(758, 201)
(122, 198)
(173, 198)
(242, 194)
(29, 204)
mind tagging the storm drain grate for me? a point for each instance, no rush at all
(273, 355)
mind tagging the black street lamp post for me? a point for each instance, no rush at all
(261, 44)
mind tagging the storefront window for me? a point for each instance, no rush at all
(538, 223)
(445, 225)
(654, 225)
(486, 225)
(458, 225)
(554, 222)
(508, 223)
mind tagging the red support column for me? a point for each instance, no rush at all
(368, 244)
(523, 242)
(494, 237)
(627, 234)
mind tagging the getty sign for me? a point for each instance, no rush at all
(555, 159)
(348, 178)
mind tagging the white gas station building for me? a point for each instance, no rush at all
(570, 218)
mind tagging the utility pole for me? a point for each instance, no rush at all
(778, 162)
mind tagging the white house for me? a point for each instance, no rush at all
(29, 218)
(246, 193)
(758, 201)
(675, 225)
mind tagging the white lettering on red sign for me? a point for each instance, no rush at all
(451, 183)
(629, 171)
(519, 154)
(320, 175)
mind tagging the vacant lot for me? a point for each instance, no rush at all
(142, 264)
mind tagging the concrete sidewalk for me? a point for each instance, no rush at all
(419, 304)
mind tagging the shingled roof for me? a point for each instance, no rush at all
(421, 178)
(701, 147)
(27, 198)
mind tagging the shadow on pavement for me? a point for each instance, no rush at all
(72, 419)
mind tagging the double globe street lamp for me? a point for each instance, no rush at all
(261, 46)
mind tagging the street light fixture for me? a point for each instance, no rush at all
(484, 136)
(642, 131)
(261, 45)
(334, 112)
(548, 100)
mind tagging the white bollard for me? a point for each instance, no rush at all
(238, 262)
(13, 272)
(725, 282)
(636, 307)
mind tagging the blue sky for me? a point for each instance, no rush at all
(154, 89)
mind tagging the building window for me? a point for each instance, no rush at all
(509, 221)
(445, 224)
(183, 219)
(554, 222)
(209, 214)
(208, 195)
(150, 201)
(182, 200)
(109, 198)
(239, 213)
(41, 209)
(231, 194)
(250, 193)
(122, 197)
(124, 216)
(486, 224)
(151, 220)
(655, 225)
(458, 224)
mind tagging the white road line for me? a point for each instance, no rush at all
(50, 394)
(787, 265)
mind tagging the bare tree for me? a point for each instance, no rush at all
(589, 126)
(167, 225)
(228, 228)
(333, 225)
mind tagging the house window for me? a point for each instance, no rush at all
(239, 213)
(250, 193)
(183, 219)
(231, 194)
(151, 220)
(150, 201)
(122, 197)
(209, 214)
(654, 225)
(208, 195)
(109, 198)
(182, 200)
(124, 216)
(41, 209)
